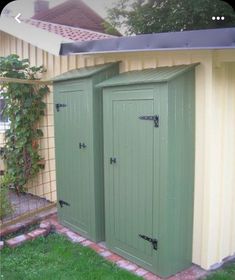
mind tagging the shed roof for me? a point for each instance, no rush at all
(83, 72)
(155, 75)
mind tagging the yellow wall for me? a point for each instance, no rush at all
(1, 145)
(214, 210)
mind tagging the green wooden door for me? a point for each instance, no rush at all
(129, 183)
(72, 159)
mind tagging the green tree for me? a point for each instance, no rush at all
(151, 16)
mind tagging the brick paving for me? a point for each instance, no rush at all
(140, 272)
(37, 232)
(18, 240)
(51, 223)
(27, 222)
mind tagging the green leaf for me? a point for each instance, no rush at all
(141, 17)
(24, 108)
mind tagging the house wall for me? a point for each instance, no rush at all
(1, 144)
(214, 207)
(215, 182)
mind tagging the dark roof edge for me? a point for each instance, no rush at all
(221, 38)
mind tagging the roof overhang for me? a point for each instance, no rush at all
(207, 39)
(222, 38)
(40, 38)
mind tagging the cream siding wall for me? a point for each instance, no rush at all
(219, 180)
(1, 144)
(214, 207)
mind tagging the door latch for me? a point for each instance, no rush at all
(154, 241)
(59, 105)
(62, 203)
(82, 145)
(113, 160)
(154, 118)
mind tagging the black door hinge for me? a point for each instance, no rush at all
(154, 118)
(59, 105)
(154, 241)
(62, 203)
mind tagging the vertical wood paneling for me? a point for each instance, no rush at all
(227, 220)
(181, 57)
(32, 55)
(232, 121)
(39, 58)
(64, 64)
(166, 59)
(90, 61)
(80, 60)
(99, 60)
(127, 202)
(12, 45)
(2, 43)
(134, 62)
(72, 162)
(149, 62)
(25, 50)
(207, 245)
(128, 191)
(19, 48)
(132, 174)
(214, 197)
(50, 65)
(124, 65)
(199, 163)
(8, 45)
(71, 62)
(47, 75)
(57, 62)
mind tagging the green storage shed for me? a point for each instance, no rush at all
(79, 149)
(149, 127)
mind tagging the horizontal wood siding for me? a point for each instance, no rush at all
(214, 207)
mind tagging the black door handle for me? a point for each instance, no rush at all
(113, 160)
(82, 145)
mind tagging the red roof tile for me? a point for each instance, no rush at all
(72, 33)
(73, 13)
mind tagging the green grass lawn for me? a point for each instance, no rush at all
(226, 273)
(56, 258)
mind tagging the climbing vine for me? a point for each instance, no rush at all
(24, 107)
